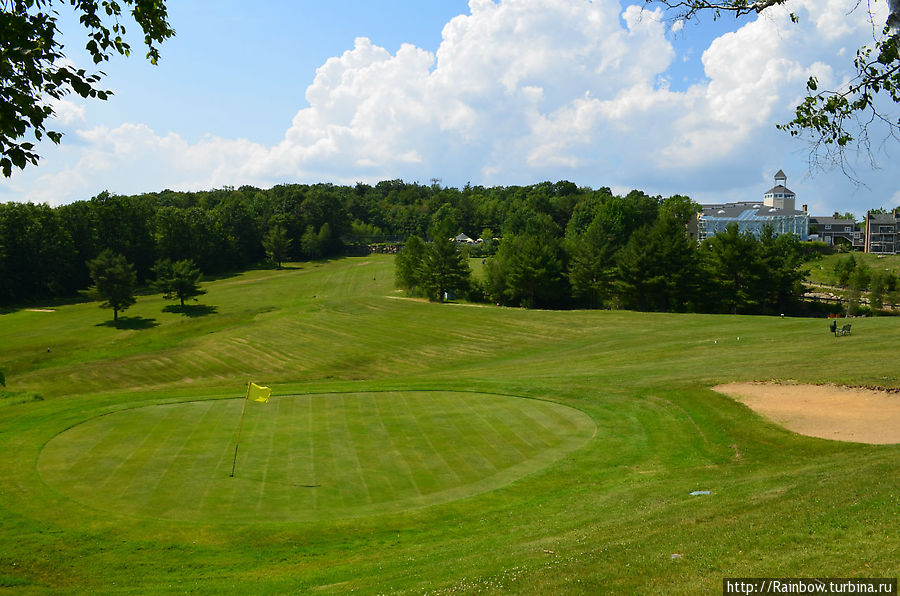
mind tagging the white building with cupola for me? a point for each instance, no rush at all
(777, 209)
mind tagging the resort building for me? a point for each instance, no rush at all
(883, 233)
(834, 231)
(777, 209)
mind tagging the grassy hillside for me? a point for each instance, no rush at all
(397, 454)
(822, 270)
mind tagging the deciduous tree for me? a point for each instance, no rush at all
(35, 72)
(277, 245)
(832, 118)
(309, 244)
(408, 265)
(843, 269)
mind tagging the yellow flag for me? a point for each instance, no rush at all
(257, 393)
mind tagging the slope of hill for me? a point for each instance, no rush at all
(420, 399)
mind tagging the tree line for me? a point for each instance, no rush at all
(44, 250)
(629, 252)
(550, 245)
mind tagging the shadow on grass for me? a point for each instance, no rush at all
(221, 276)
(136, 323)
(192, 310)
(283, 267)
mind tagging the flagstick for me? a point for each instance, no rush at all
(240, 427)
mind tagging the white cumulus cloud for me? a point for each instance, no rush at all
(518, 91)
(67, 112)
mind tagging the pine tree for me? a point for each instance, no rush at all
(728, 259)
(657, 267)
(533, 269)
(591, 265)
(114, 281)
(179, 280)
(444, 269)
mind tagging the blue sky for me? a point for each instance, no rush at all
(601, 93)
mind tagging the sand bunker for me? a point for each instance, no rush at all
(826, 411)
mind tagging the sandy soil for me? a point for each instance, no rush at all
(826, 411)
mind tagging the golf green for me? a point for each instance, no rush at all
(308, 457)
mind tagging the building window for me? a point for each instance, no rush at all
(828, 227)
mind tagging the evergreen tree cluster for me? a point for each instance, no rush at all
(437, 270)
(630, 252)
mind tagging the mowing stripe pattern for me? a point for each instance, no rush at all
(308, 457)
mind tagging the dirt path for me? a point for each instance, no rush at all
(826, 411)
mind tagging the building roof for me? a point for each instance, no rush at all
(885, 218)
(830, 220)
(780, 175)
(746, 210)
(780, 190)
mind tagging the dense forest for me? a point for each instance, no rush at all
(550, 245)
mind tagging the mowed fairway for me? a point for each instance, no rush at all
(424, 448)
(307, 457)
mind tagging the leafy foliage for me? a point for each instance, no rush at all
(657, 268)
(592, 265)
(528, 268)
(832, 119)
(443, 269)
(114, 281)
(725, 258)
(408, 265)
(179, 280)
(561, 247)
(843, 269)
(435, 270)
(34, 70)
(277, 245)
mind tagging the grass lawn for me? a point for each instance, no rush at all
(413, 447)
(174, 461)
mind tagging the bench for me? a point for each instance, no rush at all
(845, 330)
